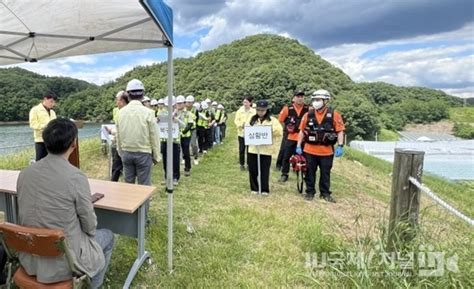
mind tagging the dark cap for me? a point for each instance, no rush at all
(299, 92)
(262, 103)
(50, 95)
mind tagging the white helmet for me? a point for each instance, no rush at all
(119, 94)
(220, 106)
(154, 102)
(161, 101)
(197, 105)
(204, 105)
(321, 93)
(214, 103)
(145, 99)
(180, 99)
(207, 100)
(135, 84)
(189, 98)
(173, 101)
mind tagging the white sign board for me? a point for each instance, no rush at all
(163, 126)
(104, 132)
(258, 135)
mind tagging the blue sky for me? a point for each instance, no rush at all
(423, 42)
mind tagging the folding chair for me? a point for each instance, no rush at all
(38, 242)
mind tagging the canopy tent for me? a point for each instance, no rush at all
(36, 30)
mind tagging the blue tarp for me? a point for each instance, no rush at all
(162, 14)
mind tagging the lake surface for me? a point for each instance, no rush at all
(14, 138)
(453, 160)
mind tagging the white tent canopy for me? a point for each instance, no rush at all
(41, 29)
(35, 30)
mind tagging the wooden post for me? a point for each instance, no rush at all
(74, 157)
(405, 200)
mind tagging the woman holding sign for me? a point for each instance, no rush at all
(269, 132)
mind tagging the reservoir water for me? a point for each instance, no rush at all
(452, 159)
(14, 138)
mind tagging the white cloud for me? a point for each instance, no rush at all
(93, 74)
(449, 67)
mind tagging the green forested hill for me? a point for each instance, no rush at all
(272, 67)
(20, 89)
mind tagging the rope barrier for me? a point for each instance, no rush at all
(440, 202)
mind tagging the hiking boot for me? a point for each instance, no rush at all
(308, 197)
(328, 198)
(254, 192)
(283, 178)
(265, 194)
(196, 162)
(175, 182)
(187, 173)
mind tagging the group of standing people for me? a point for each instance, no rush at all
(315, 131)
(201, 125)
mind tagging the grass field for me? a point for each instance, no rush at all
(248, 241)
(462, 114)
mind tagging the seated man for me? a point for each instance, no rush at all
(54, 194)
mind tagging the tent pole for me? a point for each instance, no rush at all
(169, 158)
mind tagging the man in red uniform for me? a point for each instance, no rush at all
(320, 129)
(290, 116)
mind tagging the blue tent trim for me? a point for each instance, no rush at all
(162, 14)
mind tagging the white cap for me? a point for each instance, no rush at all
(180, 99)
(220, 106)
(145, 98)
(135, 84)
(161, 101)
(154, 102)
(119, 94)
(321, 93)
(207, 100)
(173, 101)
(214, 103)
(189, 98)
(204, 105)
(197, 105)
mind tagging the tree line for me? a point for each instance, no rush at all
(264, 66)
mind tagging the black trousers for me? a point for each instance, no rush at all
(265, 162)
(290, 147)
(117, 165)
(242, 150)
(209, 137)
(325, 165)
(202, 139)
(176, 152)
(40, 150)
(223, 128)
(185, 141)
(281, 152)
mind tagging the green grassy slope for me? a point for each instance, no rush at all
(244, 240)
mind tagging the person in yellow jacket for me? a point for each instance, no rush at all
(262, 118)
(241, 116)
(40, 116)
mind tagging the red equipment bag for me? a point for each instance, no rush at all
(298, 165)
